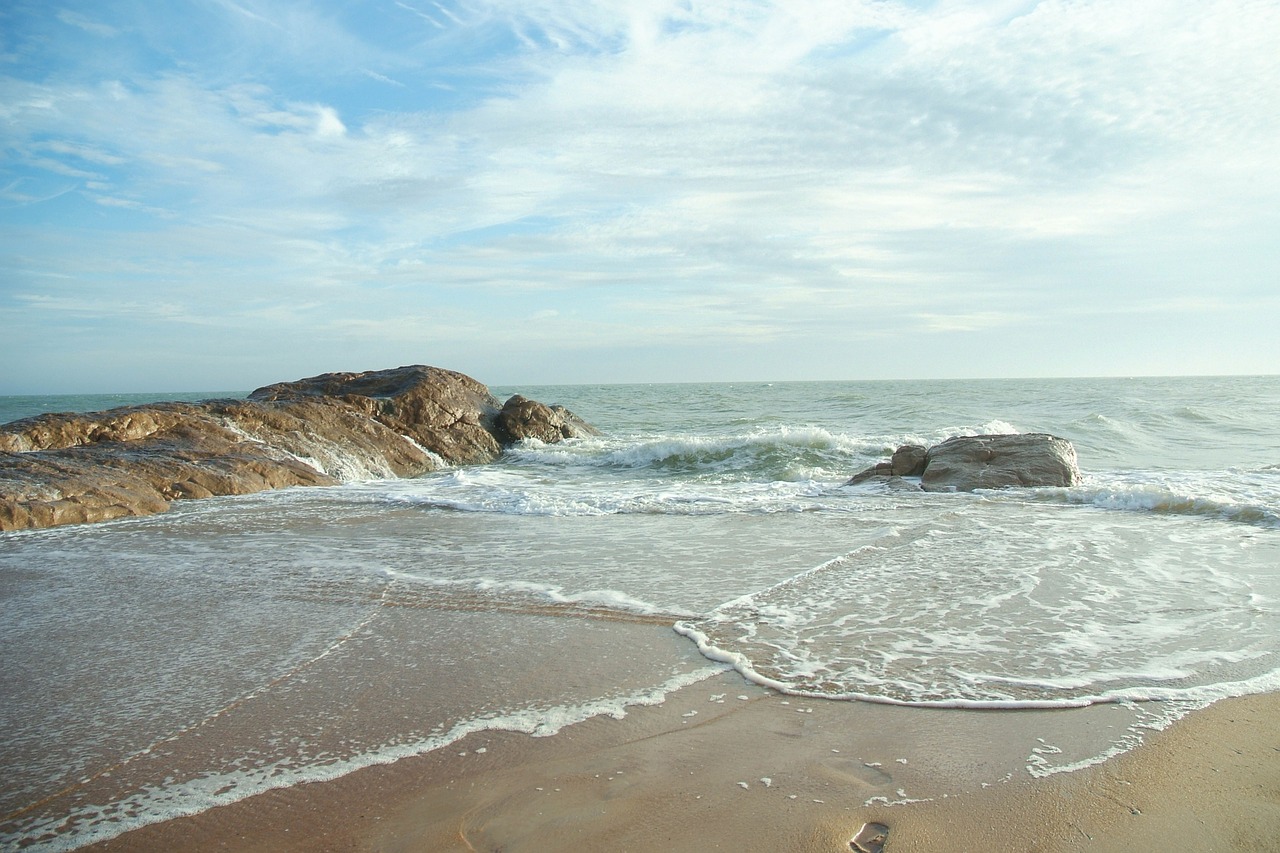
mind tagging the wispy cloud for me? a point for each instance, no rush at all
(413, 10)
(14, 193)
(82, 151)
(381, 78)
(101, 308)
(247, 13)
(75, 19)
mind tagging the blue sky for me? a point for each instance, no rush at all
(218, 194)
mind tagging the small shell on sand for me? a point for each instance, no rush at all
(870, 839)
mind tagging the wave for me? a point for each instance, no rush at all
(782, 452)
(489, 594)
(1198, 695)
(1249, 498)
(683, 501)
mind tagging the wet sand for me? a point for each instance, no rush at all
(727, 765)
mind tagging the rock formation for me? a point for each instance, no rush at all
(75, 468)
(966, 463)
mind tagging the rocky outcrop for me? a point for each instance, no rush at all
(75, 468)
(966, 463)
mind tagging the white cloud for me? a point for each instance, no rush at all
(328, 125)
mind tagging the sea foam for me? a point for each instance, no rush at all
(948, 615)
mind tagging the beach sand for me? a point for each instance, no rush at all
(727, 765)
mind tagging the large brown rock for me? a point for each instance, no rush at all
(76, 468)
(966, 463)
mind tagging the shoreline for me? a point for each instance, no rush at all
(725, 764)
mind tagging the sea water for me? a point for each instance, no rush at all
(159, 666)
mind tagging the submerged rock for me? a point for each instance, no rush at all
(966, 463)
(75, 468)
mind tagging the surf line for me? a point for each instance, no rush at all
(341, 641)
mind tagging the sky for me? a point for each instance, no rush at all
(221, 194)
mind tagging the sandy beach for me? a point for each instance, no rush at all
(727, 765)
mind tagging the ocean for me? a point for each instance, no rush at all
(160, 666)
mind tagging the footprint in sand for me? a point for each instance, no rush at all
(870, 839)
